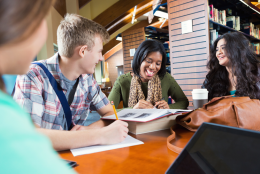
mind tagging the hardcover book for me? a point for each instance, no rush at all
(147, 120)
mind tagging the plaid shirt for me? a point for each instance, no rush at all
(34, 92)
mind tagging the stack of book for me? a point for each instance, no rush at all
(250, 29)
(235, 22)
(256, 48)
(213, 36)
(147, 120)
(216, 15)
(225, 17)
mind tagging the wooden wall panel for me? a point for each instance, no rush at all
(188, 35)
(189, 46)
(188, 69)
(191, 64)
(131, 39)
(197, 81)
(189, 40)
(189, 52)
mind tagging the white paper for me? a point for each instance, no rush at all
(178, 110)
(142, 115)
(129, 141)
(186, 26)
(132, 52)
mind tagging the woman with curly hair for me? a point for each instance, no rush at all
(233, 68)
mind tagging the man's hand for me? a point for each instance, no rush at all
(114, 133)
(142, 104)
(162, 105)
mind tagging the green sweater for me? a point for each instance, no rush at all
(120, 91)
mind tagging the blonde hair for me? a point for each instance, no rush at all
(20, 18)
(76, 30)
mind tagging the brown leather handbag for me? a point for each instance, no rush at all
(241, 112)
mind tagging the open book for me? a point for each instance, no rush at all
(144, 115)
(147, 120)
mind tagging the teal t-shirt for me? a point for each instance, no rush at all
(233, 92)
(22, 149)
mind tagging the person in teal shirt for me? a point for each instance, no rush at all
(233, 68)
(149, 85)
(23, 31)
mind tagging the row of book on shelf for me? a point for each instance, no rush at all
(226, 17)
(214, 35)
(256, 48)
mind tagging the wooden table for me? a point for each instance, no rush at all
(151, 157)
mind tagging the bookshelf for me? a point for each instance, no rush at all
(189, 52)
(225, 29)
(243, 17)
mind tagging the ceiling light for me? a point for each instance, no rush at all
(133, 18)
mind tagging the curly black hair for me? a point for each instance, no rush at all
(243, 63)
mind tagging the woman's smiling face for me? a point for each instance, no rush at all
(220, 53)
(150, 66)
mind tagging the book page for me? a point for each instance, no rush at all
(143, 115)
(129, 141)
(178, 111)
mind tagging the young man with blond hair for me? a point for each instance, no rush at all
(80, 43)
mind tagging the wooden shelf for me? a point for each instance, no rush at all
(243, 10)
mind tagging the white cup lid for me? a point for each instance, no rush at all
(199, 91)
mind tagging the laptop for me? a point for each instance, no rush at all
(219, 149)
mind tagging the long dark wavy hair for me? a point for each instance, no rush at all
(243, 64)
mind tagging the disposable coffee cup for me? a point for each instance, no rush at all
(199, 97)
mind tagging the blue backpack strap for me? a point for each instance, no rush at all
(57, 88)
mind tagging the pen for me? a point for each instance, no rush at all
(112, 103)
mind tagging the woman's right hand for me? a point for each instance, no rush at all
(142, 104)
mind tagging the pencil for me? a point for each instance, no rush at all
(112, 103)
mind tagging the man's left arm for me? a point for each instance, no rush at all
(104, 111)
(99, 103)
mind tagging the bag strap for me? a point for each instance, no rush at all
(72, 92)
(58, 90)
(171, 146)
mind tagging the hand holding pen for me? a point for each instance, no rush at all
(162, 104)
(116, 132)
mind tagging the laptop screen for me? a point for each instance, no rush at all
(219, 149)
